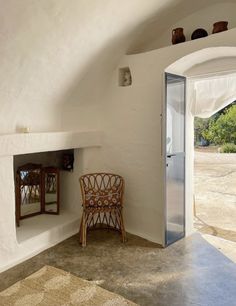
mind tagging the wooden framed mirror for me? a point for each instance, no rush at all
(51, 190)
(28, 191)
(37, 191)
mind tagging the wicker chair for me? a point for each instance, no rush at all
(102, 195)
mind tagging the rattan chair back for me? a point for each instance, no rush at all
(102, 199)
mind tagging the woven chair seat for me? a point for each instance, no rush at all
(102, 199)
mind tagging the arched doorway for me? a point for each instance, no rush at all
(204, 66)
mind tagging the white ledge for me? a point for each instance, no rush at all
(15, 144)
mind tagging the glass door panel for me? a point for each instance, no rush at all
(175, 158)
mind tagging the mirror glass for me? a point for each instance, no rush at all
(51, 192)
(30, 192)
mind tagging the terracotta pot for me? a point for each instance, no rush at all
(199, 33)
(220, 26)
(178, 36)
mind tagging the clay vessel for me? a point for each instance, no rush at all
(220, 26)
(178, 36)
(199, 33)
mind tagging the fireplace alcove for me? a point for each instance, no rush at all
(53, 159)
(43, 231)
(46, 226)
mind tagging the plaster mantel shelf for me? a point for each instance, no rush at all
(15, 144)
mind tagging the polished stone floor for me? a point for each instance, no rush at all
(189, 272)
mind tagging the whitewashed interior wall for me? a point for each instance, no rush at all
(13, 251)
(55, 78)
(158, 33)
(48, 46)
(204, 18)
(132, 126)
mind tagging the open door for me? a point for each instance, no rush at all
(175, 158)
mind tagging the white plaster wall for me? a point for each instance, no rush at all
(57, 56)
(7, 212)
(70, 191)
(86, 161)
(204, 18)
(189, 15)
(47, 48)
(132, 127)
(13, 251)
(132, 145)
(59, 72)
(214, 66)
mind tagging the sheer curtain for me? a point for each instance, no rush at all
(210, 94)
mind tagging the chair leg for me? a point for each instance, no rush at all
(84, 231)
(81, 231)
(123, 233)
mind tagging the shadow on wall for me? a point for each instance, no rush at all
(56, 57)
(49, 46)
(83, 97)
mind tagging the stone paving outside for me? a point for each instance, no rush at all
(215, 192)
(215, 197)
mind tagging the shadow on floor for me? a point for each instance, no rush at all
(204, 228)
(189, 272)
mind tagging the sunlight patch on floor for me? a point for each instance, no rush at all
(226, 247)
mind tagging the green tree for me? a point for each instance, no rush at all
(200, 125)
(223, 130)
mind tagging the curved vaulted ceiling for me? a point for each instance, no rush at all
(55, 51)
(47, 47)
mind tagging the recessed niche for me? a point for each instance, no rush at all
(37, 182)
(62, 159)
(67, 184)
(125, 77)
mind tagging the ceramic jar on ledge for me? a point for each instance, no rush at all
(178, 36)
(220, 26)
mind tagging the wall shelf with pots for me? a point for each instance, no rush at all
(179, 37)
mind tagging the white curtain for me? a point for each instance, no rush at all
(209, 95)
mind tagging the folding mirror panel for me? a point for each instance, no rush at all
(51, 190)
(37, 191)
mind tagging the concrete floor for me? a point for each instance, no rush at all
(189, 272)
